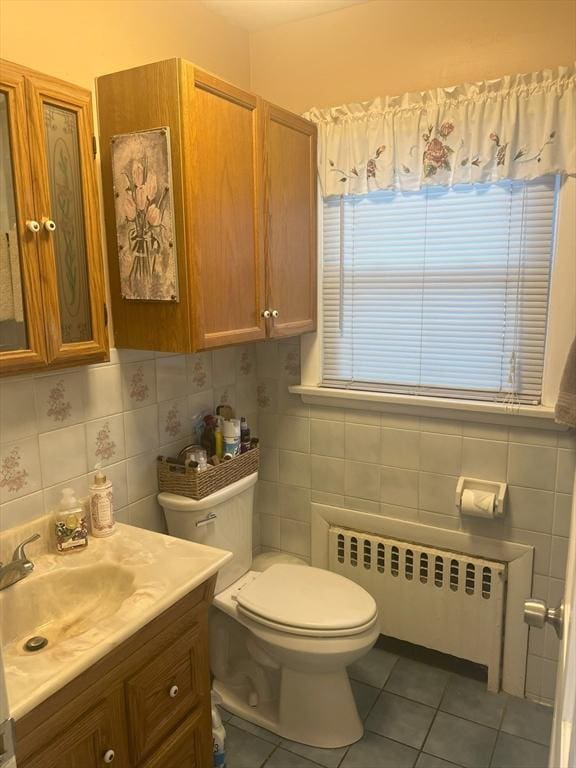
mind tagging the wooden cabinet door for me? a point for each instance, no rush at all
(163, 692)
(67, 205)
(85, 742)
(290, 161)
(188, 747)
(22, 338)
(224, 182)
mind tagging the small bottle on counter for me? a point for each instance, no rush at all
(244, 435)
(101, 506)
(70, 525)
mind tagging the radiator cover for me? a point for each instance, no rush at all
(443, 600)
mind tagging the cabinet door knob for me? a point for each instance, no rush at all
(266, 314)
(174, 690)
(49, 225)
(275, 313)
(32, 226)
(109, 756)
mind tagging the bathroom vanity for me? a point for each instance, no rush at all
(125, 679)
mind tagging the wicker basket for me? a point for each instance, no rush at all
(186, 481)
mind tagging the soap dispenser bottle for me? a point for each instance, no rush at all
(70, 526)
(101, 506)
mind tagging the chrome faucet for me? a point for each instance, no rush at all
(19, 567)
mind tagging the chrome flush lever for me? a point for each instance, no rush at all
(210, 517)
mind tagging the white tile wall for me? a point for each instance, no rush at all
(327, 437)
(407, 467)
(105, 440)
(17, 410)
(63, 454)
(362, 442)
(400, 448)
(59, 400)
(54, 427)
(138, 384)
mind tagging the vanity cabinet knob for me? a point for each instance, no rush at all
(49, 225)
(174, 690)
(266, 314)
(32, 226)
(275, 313)
(109, 756)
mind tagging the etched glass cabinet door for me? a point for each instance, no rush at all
(66, 199)
(22, 336)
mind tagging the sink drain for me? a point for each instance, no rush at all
(36, 643)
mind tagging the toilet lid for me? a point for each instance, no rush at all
(310, 598)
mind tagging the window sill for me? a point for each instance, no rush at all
(462, 410)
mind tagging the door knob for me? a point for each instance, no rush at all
(275, 313)
(109, 756)
(266, 314)
(32, 226)
(49, 225)
(537, 613)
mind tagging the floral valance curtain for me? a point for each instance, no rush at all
(517, 127)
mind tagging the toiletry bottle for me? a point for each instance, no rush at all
(70, 525)
(218, 734)
(208, 441)
(101, 506)
(218, 439)
(244, 435)
(231, 435)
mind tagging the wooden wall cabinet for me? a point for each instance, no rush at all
(291, 222)
(52, 299)
(144, 705)
(244, 190)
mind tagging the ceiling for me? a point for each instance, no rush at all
(259, 14)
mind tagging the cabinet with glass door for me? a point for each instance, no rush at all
(52, 299)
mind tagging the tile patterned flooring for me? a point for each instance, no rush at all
(415, 715)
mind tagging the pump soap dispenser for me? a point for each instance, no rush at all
(101, 506)
(70, 527)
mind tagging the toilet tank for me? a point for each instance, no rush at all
(223, 519)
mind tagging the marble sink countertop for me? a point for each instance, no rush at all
(164, 569)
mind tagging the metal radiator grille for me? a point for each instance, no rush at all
(443, 600)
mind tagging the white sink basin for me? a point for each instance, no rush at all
(87, 603)
(62, 604)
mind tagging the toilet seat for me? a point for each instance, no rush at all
(302, 632)
(302, 600)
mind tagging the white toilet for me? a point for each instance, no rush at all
(280, 640)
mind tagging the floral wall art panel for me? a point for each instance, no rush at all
(142, 173)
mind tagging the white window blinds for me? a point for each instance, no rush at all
(439, 292)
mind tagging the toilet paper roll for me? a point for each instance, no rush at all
(478, 503)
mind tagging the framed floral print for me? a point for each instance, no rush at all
(142, 176)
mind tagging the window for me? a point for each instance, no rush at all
(441, 292)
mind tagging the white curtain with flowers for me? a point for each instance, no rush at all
(516, 127)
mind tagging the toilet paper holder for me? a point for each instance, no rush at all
(484, 486)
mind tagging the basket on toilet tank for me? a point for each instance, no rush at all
(187, 481)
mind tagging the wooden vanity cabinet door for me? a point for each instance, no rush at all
(291, 259)
(189, 746)
(165, 691)
(223, 150)
(66, 193)
(84, 742)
